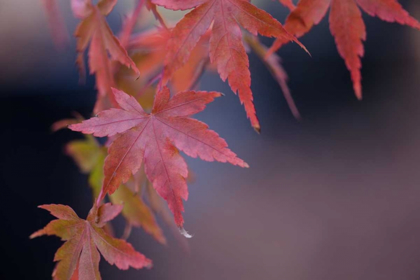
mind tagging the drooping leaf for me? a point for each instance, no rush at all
(59, 33)
(156, 137)
(136, 212)
(104, 47)
(226, 48)
(83, 238)
(346, 25)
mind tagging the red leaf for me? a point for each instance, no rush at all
(346, 26)
(226, 48)
(156, 137)
(78, 258)
(104, 46)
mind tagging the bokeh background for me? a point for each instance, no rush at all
(334, 196)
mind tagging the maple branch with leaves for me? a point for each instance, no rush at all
(140, 169)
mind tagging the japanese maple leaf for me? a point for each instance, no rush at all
(104, 46)
(79, 254)
(226, 48)
(346, 25)
(155, 138)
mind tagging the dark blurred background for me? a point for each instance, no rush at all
(335, 196)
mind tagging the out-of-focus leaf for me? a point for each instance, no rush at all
(136, 212)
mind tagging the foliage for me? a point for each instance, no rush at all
(140, 168)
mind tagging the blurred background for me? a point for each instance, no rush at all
(334, 196)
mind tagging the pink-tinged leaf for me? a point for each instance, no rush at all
(104, 48)
(195, 139)
(78, 257)
(226, 49)
(128, 103)
(110, 122)
(156, 139)
(89, 260)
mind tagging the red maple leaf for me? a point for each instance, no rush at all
(226, 48)
(155, 138)
(79, 258)
(104, 46)
(346, 25)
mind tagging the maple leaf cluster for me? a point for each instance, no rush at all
(140, 168)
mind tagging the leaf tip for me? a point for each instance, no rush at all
(358, 91)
